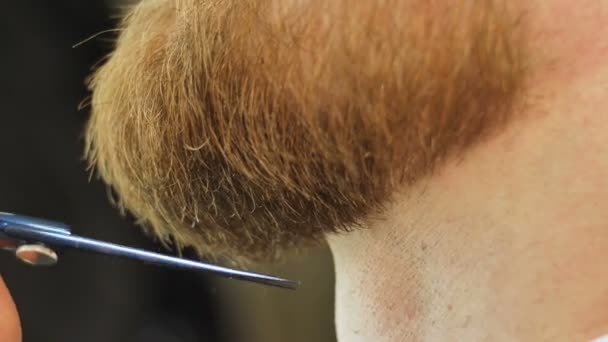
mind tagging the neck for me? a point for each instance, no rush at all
(488, 248)
(507, 243)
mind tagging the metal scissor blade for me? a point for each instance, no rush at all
(55, 239)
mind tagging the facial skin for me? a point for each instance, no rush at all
(509, 243)
(454, 154)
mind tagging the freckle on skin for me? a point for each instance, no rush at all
(539, 300)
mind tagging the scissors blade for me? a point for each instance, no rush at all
(61, 239)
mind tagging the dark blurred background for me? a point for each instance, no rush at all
(93, 298)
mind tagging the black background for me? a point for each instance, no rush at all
(84, 297)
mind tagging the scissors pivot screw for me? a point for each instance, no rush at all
(35, 254)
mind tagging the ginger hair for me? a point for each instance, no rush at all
(246, 128)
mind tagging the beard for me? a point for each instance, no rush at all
(247, 128)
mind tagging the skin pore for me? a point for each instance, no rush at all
(510, 242)
(458, 164)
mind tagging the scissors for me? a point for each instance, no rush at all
(31, 240)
